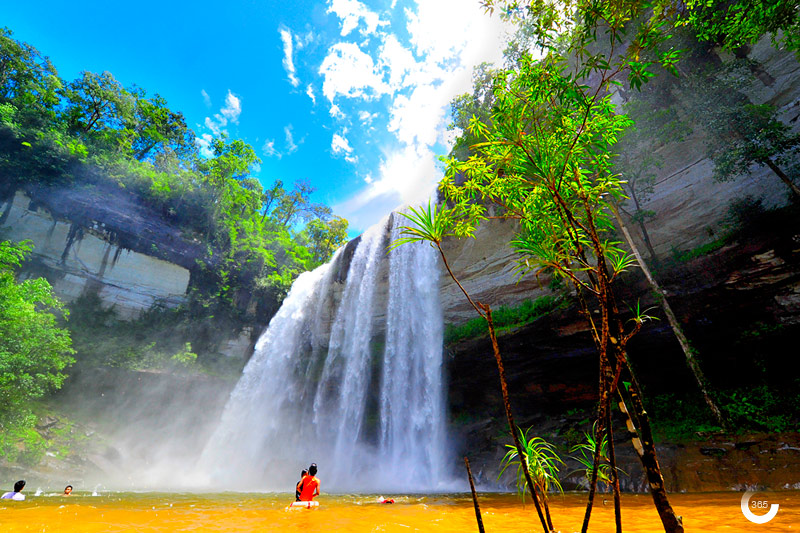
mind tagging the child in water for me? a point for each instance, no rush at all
(299, 487)
(310, 485)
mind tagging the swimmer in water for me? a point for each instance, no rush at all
(299, 487)
(16, 494)
(67, 490)
(310, 485)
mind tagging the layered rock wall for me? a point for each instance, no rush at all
(80, 259)
(691, 209)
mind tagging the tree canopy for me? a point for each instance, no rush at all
(94, 131)
(34, 350)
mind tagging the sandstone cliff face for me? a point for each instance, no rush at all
(690, 207)
(721, 299)
(89, 240)
(79, 259)
(726, 302)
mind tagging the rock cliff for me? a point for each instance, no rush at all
(690, 208)
(88, 240)
(726, 300)
(80, 258)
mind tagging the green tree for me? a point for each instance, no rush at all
(95, 131)
(99, 108)
(737, 23)
(34, 351)
(284, 208)
(158, 129)
(466, 106)
(740, 134)
(222, 174)
(588, 450)
(28, 81)
(325, 237)
(656, 124)
(547, 162)
(434, 225)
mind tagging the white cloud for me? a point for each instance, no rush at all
(232, 108)
(290, 145)
(230, 112)
(336, 112)
(203, 142)
(270, 150)
(421, 74)
(310, 93)
(214, 125)
(405, 178)
(351, 13)
(340, 144)
(302, 41)
(348, 71)
(288, 61)
(366, 118)
(417, 118)
(398, 60)
(206, 98)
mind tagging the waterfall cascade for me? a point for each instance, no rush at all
(346, 377)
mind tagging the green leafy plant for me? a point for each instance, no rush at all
(587, 450)
(505, 317)
(541, 460)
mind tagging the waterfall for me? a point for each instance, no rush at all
(412, 433)
(348, 374)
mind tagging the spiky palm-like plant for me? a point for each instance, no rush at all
(542, 461)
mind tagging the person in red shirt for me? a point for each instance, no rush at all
(310, 485)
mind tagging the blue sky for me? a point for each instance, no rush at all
(350, 96)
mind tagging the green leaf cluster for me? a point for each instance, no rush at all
(539, 457)
(737, 23)
(34, 350)
(586, 450)
(504, 317)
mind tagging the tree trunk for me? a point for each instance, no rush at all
(592, 482)
(547, 512)
(649, 244)
(782, 175)
(509, 416)
(645, 448)
(474, 498)
(486, 312)
(642, 226)
(691, 361)
(144, 151)
(612, 459)
(602, 409)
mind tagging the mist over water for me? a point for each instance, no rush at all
(346, 376)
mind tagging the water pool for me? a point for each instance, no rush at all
(168, 512)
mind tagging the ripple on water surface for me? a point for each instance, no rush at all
(167, 512)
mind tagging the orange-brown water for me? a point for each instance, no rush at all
(117, 512)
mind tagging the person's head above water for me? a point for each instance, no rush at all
(68, 489)
(19, 485)
(312, 470)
